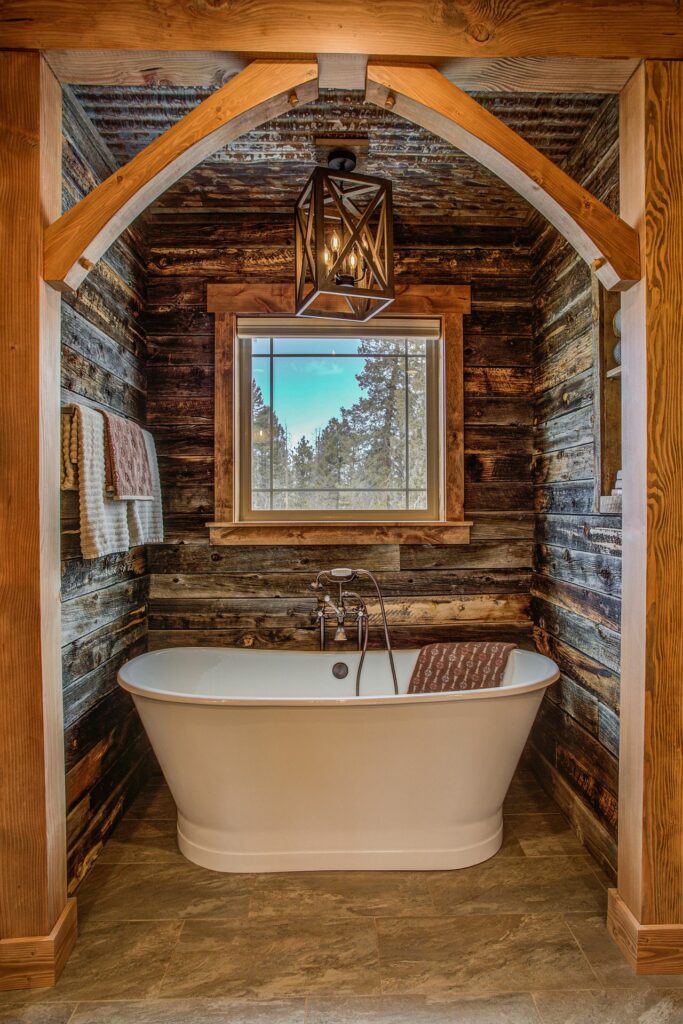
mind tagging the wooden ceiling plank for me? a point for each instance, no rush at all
(265, 89)
(422, 95)
(392, 29)
(140, 67)
(539, 74)
(214, 68)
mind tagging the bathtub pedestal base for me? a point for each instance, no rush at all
(202, 849)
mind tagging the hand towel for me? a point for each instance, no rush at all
(103, 522)
(127, 465)
(145, 518)
(476, 665)
(69, 466)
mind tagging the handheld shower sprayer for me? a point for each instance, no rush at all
(344, 575)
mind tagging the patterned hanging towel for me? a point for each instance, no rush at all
(476, 665)
(126, 460)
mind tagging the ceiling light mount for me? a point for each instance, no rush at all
(342, 159)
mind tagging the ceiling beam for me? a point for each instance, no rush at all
(264, 90)
(214, 68)
(140, 67)
(422, 95)
(538, 74)
(390, 29)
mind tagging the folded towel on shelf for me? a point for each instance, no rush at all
(103, 522)
(475, 665)
(127, 465)
(145, 518)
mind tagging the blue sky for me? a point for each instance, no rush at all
(309, 392)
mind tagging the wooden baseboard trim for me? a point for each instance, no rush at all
(37, 961)
(649, 948)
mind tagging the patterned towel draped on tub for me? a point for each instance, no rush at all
(476, 665)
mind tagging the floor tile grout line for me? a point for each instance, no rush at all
(380, 977)
(536, 1007)
(583, 952)
(596, 869)
(170, 958)
(73, 1012)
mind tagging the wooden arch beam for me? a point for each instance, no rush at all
(422, 95)
(263, 90)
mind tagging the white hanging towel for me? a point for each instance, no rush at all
(145, 518)
(103, 522)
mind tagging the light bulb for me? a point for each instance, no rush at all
(327, 257)
(335, 242)
(353, 261)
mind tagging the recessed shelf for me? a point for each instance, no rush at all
(606, 400)
(610, 504)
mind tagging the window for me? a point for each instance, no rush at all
(339, 424)
(330, 432)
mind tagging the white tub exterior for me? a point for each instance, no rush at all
(276, 765)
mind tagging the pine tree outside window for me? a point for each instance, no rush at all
(339, 422)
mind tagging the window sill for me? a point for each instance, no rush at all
(340, 533)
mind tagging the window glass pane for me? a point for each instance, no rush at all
(337, 346)
(417, 423)
(341, 424)
(260, 425)
(344, 500)
(260, 346)
(418, 500)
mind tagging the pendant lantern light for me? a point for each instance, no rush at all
(344, 243)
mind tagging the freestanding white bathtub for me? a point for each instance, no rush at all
(276, 765)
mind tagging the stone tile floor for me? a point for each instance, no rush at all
(519, 939)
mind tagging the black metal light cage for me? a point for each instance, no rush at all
(344, 246)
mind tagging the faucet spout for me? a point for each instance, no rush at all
(359, 614)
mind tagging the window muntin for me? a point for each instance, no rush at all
(323, 423)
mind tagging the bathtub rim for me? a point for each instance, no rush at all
(199, 700)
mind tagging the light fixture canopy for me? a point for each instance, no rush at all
(344, 246)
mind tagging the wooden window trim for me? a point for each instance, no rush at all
(228, 302)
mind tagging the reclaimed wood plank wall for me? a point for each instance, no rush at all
(541, 566)
(104, 601)
(258, 597)
(577, 579)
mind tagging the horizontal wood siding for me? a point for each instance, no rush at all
(257, 597)
(577, 578)
(104, 601)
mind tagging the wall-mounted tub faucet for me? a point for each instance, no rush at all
(351, 607)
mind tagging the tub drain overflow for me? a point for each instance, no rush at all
(340, 670)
